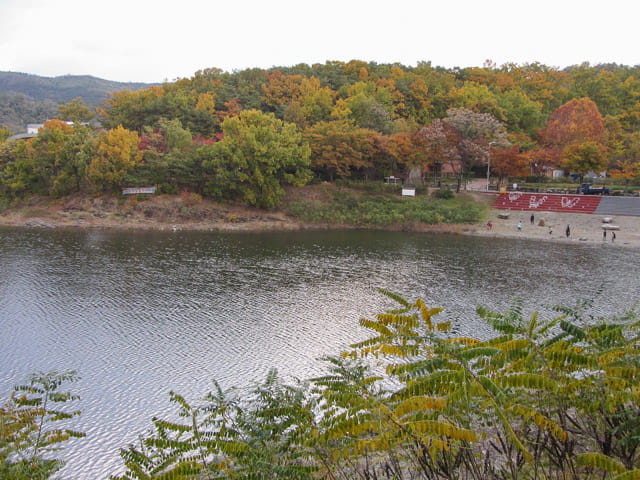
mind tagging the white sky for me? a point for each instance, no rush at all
(158, 40)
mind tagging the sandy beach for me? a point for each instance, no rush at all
(584, 228)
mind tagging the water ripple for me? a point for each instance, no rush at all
(140, 314)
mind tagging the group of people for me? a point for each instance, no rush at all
(567, 231)
(532, 219)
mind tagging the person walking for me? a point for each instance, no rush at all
(568, 231)
(613, 237)
(604, 235)
(532, 218)
(519, 226)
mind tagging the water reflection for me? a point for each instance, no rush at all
(141, 313)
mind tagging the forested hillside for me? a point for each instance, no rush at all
(242, 135)
(26, 98)
(16, 111)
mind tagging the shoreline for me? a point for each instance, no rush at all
(182, 213)
(585, 228)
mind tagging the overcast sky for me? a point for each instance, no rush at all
(158, 40)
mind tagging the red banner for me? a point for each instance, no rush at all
(549, 202)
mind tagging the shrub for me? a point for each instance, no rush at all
(390, 209)
(28, 426)
(443, 194)
(191, 199)
(168, 188)
(539, 399)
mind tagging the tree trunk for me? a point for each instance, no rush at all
(415, 175)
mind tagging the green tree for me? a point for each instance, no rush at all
(257, 156)
(45, 152)
(176, 136)
(598, 84)
(4, 134)
(79, 149)
(478, 98)
(369, 113)
(582, 158)
(75, 111)
(60, 155)
(316, 102)
(412, 98)
(522, 115)
(627, 162)
(176, 168)
(19, 175)
(134, 110)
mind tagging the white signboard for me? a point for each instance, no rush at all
(134, 191)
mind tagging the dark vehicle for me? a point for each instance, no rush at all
(588, 189)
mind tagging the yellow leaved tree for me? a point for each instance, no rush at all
(117, 154)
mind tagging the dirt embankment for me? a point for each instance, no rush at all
(158, 212)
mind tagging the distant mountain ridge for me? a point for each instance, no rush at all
(27, 98)
(62, 89)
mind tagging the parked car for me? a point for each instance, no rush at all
(588, 189)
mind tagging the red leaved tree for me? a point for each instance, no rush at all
(574, 127)
(507, 162)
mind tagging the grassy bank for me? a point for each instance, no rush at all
(376, 205)
(322, 205)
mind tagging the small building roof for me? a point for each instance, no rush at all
(22, 136)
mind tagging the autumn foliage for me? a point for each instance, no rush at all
(117, 153)
(569, 130)
(507, 162)
(576, 121)
(360, 120)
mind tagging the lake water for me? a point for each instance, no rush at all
(138, 314)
